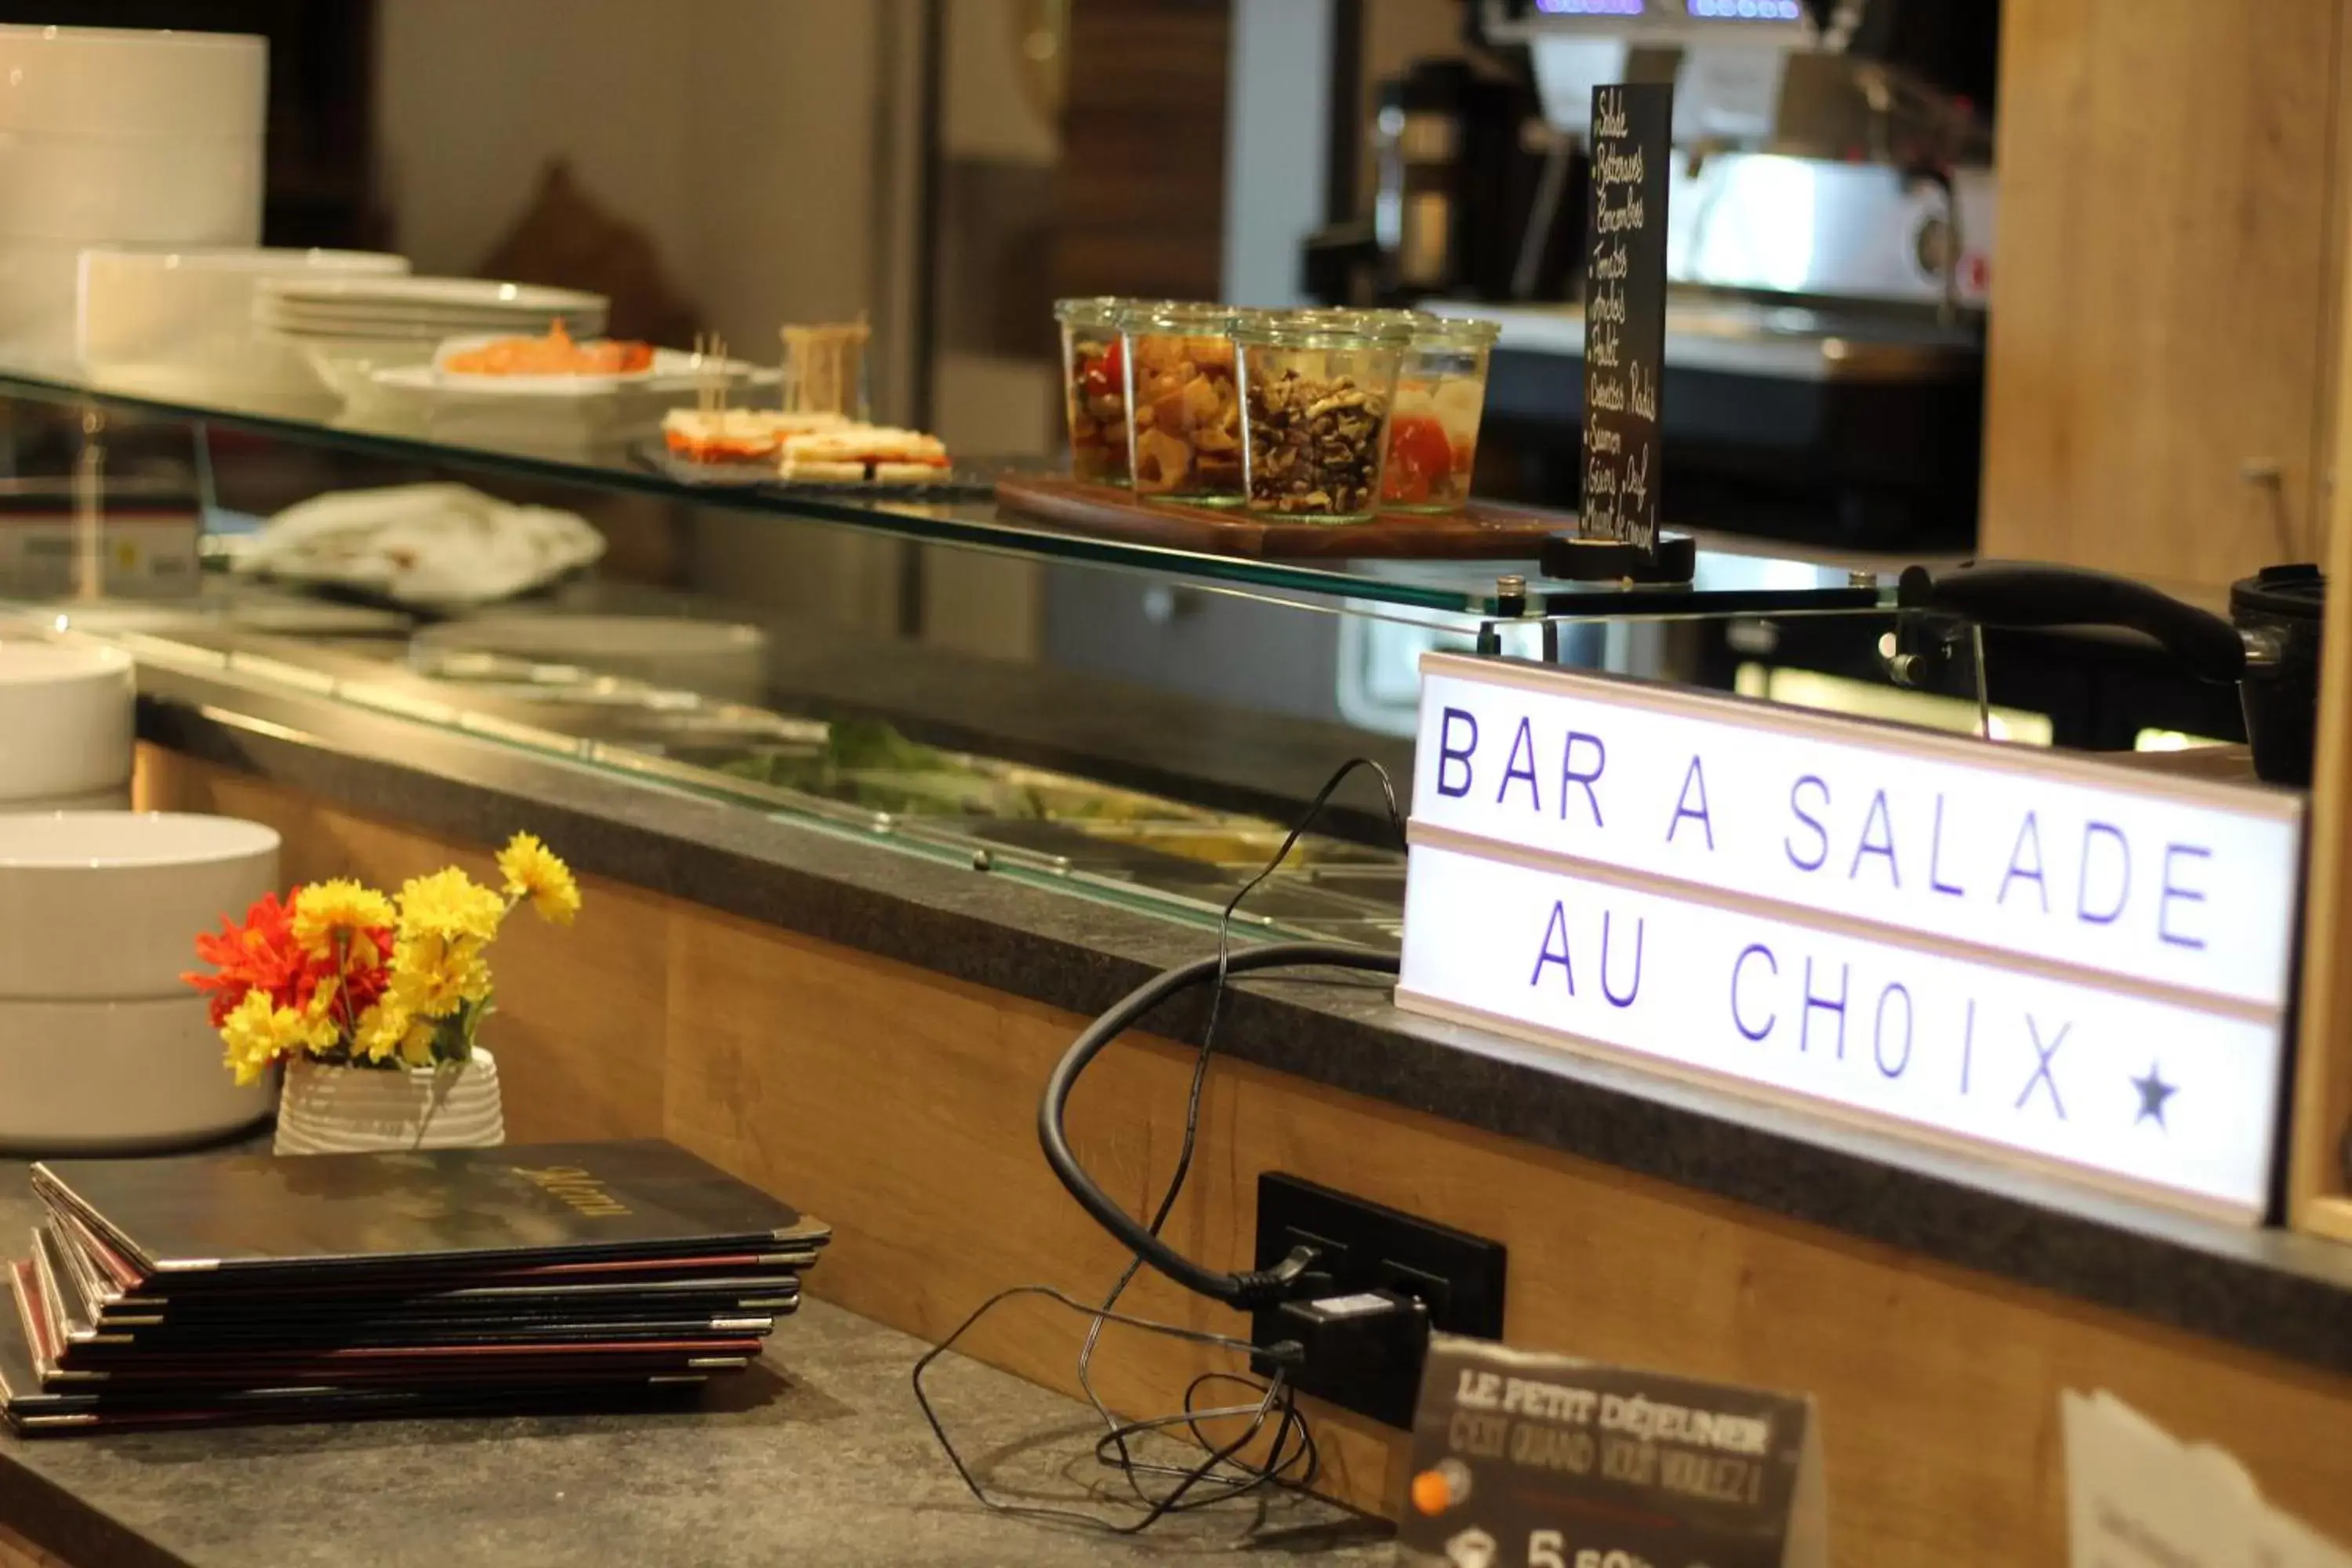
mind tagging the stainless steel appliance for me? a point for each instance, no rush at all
(1832, 215)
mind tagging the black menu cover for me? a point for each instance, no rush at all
(219, 1220)
(34, 1410)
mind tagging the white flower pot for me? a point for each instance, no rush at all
(328, 1109)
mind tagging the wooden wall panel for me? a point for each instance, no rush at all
(1140, 193)
(2161, 271)
(901, 1105)
(2317, 1196)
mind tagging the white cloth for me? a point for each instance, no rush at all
(433, 545)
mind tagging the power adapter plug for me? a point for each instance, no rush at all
(1367, 1345)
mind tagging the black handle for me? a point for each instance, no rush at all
(2016, 593)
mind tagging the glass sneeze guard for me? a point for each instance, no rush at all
(1727, 583)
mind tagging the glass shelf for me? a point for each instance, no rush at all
(577, 446)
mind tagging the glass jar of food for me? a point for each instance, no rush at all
(1433, 421)
(1184, 441)
(1093, 386)
(1315, 394)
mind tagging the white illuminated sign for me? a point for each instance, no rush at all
(2081, 963)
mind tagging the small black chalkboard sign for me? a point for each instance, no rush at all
(1625, 313)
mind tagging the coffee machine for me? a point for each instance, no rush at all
(1830, 220)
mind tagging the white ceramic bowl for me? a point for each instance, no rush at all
(117, 798)
(37, 300)
(170, 318)
(65, 718)
(348, 365)
(99, 905)
(162, 190)
(90, 1078)
(127, 83)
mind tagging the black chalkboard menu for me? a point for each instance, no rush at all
(1626, 311)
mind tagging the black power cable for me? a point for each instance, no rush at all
(1244, 1291)
(1291, 1457)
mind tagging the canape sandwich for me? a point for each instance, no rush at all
(865, 453)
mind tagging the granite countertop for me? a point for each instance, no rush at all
(818, 1455)
(2267, 1289)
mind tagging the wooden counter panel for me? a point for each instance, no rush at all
(901, 1105)
(2159, 279)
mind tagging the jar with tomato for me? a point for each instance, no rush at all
(1093, 386)
(1184, 438)
(1441, 391)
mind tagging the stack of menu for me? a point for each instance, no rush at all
(254, 1288)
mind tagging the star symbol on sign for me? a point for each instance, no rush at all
(2153, 1092)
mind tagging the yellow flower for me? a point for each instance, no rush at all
(416, 1045)
(432, 976)
(256, 1035)
(534, 871)
(323, 910)
(448, 905)
(381, 1029)
(317, 1029)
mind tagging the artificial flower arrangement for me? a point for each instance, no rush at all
(342, 973)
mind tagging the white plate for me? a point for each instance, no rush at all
(66, 716)
(459, 294)
(104, 905)
(92, 1078)
(672, 372)
(433, 329)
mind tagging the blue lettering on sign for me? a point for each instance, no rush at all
(1449, 755)
(1521, 766)
(1823, 1004)
(1694, 779)
(2028, 832)
(1556, 927)
(1640, 930)
(2092, 832)
(1884, 844)
(1738, 1021)
(2175, 890)
(1967, 1046)
(1569, 776)
(1878, 1030)
(2043, 1072)
(1820, 834)
(1935, 856)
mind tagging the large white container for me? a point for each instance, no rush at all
(163, 190)
(65, 720)
(180, 322)
(106, 906)
(110, 136)
(124, 83)
(86, 1077)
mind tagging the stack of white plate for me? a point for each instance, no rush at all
(353, 327)
(118, 137)
(179, 321)
(65, 726)
(103, 1046)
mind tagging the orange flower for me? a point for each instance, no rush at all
(260, 955)
(263, 955)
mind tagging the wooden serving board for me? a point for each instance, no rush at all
(1484, 532)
